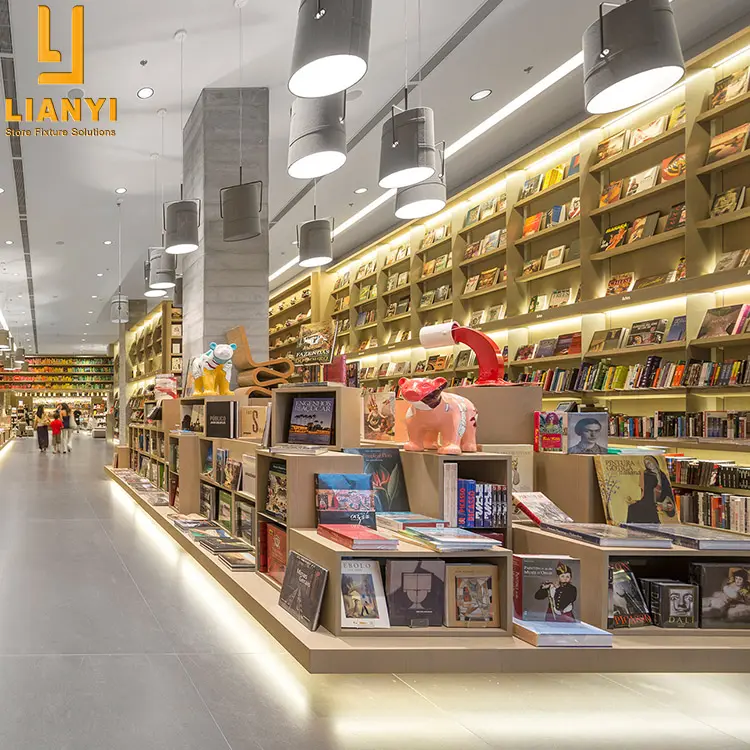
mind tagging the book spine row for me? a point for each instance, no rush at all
(717, 425)
(481, 505)
(718, 511)
(708, 473)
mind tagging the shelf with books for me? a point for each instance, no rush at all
(440, 243)
(482, 292)
(627, 351)
(395, 290)
(572, 180)
(667, 135)
(394, 318)
(656, 239)
(711, 488)
(483, 256)
(467, 230)
(435, 306)
(722, 164)
(437, 275)
(727, 218)
(623, 202)
(545, 360)
(554, 229)
(721, 342)
(707, 117)
(366, 327)
(568, 266)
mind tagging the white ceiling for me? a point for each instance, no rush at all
(70, 182)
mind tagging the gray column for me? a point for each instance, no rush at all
(225, 283)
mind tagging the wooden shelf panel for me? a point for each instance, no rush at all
(722, 109)
(569, 266)
(572, 180)
(728, 218)
(479, 258)
(636, 350)
(554, 229)
(722, 164)
(737, 339)
(639, 149)
(656, 239)
(478, 224)
(656, 190)
(546, 360)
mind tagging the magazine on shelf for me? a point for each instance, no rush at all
(604, 535)
(696, 537)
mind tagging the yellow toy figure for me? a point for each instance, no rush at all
(212, 371)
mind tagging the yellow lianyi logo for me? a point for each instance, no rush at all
(48, 55)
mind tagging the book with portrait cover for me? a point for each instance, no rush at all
(614, 236)
(673, 167)
(647, 132)
(724, 588)
(611, 193)
(728, 143)
(311, 421)
(545, 587)
(612, 146)
(363, 602)
(674, 605)
(345, 498)
(730, 87)
(415, 592)
(643, 227)
(302, 590)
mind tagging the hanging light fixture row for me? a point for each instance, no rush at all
(317, 136)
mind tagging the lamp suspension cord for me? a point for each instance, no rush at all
(242, 57)
(419, 49)
(161, 173)
(315, 197)
(182, 125)
(119, 246)
(406, 54)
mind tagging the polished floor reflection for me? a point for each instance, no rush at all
(113, 638)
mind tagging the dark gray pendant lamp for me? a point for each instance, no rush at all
(331, 46)
(317, 136)
(315, 238)
(630, 55)
(177, 299)
(162, 269)
(241, 205)
(149, 290)
(181, 218)
(425, 198)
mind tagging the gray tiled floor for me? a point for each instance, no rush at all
(112, 638)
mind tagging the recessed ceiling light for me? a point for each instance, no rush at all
(8, 242)
(121, 191)
(93, 296)
(294, 242)
(91, 312)
(87, 324)
(100, 275)
(107, 242)
(477, 96)
(145, 93)
(360, 191)
(2, 190)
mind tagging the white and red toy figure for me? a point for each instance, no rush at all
(437, 420)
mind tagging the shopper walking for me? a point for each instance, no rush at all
(56, 427)
(41, 423)
(66, 417)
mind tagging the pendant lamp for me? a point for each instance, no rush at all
(177, 298)
(314, 239)
(162, 268)
(119, 309)
(4, 340)
(20, 357)
(331, 46)
(317, 136)
(630, 55)
(149, 292)
(424, 199)
(407, 148)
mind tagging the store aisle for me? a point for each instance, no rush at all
(113, 638)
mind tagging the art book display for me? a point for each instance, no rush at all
(311, 421)
(725, 593)
(545, 587)
(363, 602)
(302, 590)
(627, 608)
(472, 596)
(384, 467)
(415, 591)
(316, 344)
(345, 499)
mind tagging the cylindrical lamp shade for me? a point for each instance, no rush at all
(331, 46)
(241, 206)
(181, 222)
(20, 356)
(119, 309)
(317, 137)
(162, 268)
(424, 199)
(642, 56)
(407, 148)
(315, 238)
(177, 300)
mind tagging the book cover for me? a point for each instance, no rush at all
(208, 501)
(249, 482)
(643, 227)
(244, 514)
(472, 251)
(574, 166)
(220, 465)
(400, 520)
(545, 588)
(477, 318)
(673, 167)
(415, 592)
(586, 432)
(573, 209)
(472, 596)
(606, 535)
(561, 634)
(553, 176)
(527, 351)
(276, 550)
(560, 297)
(626, 606)
(428, 268)
(725, 592)
(472, 216)
(355, 536)
(538, 303)
(443, 292)
(316, 343)
(489, 242)
(531, 266)
(548, 432)
(677, 117)
(614, 236)
(658, 279)
(680, 271)
(647, 132)
(729, 87)
(546, 347)
(495, 313)
(471, 284)
(425, 300)
(611, 193)
(729, 260)
(487, 278)
(647, 332)
(720, 321)
(555, 256)
(603, 341)
(539, 508)
(697, 537)
(568, 343)
(641, 181)
(363, 602)
(612, 146)
(678, 329)
(676, 218)
(345, 498)
(636, 489)
(302, 590)
(232, 474)
(276, 500)
(311, 421)
(620, 283)
(380, 416)
(208, 463)
(532, 223)
(488, 208)
(253, 422)
(674, 605)
(728, 201)
(531, 186)
(728, 143)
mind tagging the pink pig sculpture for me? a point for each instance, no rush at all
(438, 419)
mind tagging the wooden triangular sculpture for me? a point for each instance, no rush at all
(258, 377)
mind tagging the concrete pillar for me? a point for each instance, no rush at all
(225, 284)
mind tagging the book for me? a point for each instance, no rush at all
(612, 146)
(356, 536)
(443, 293)
(674, 604)
(209, 499)
(244, 515)
(488, 208)
(477, 318)
(232, 474)
(472, 596)
(560, 297)
(253, 422)
(363, 603)
(568, 343)
(276, 552)
(673, 167)
(225, 510)
(538, 303)
(220, 465)
(636, 489)
(527, 351)
(487, 278)
(620, 283)
(561, 634)
(728, 201)
(316, 343)
(415, 592)
(302, 590)
(496, 312)
(546, 348)
(728, 88)
(238, 561)
(221, 417)
(532, 224)
(626, 606)
(555, 256)
(573, 209)
(677, 117)
(447, 539)
(532, 266)
(208, 463)
(643, 227)
(676, 218)
(548, 432)
(611, 193)
(728, 143)
(545, 587)
(425, 300)
(585, 433)
(696, 537)
(428, 268)
(641, 181)
(614, 236)
(605, 535)
(402, 520)
(217, 546)
(311, 420)
(574, 166)
(345, 498)
(724, 591)
(491, 241)
(276, 499)
(730, 260)
(531, 186)
(647, 332)
(723, 321)
(647, 132)
(610, 338)
(680, 271)
(553, 176)
(472, 216)
(473, 250)
(678, 329)
(658, 279)
(471, 284)
(539, 508)
(380, 413)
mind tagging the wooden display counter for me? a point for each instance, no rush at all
(323, 653)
